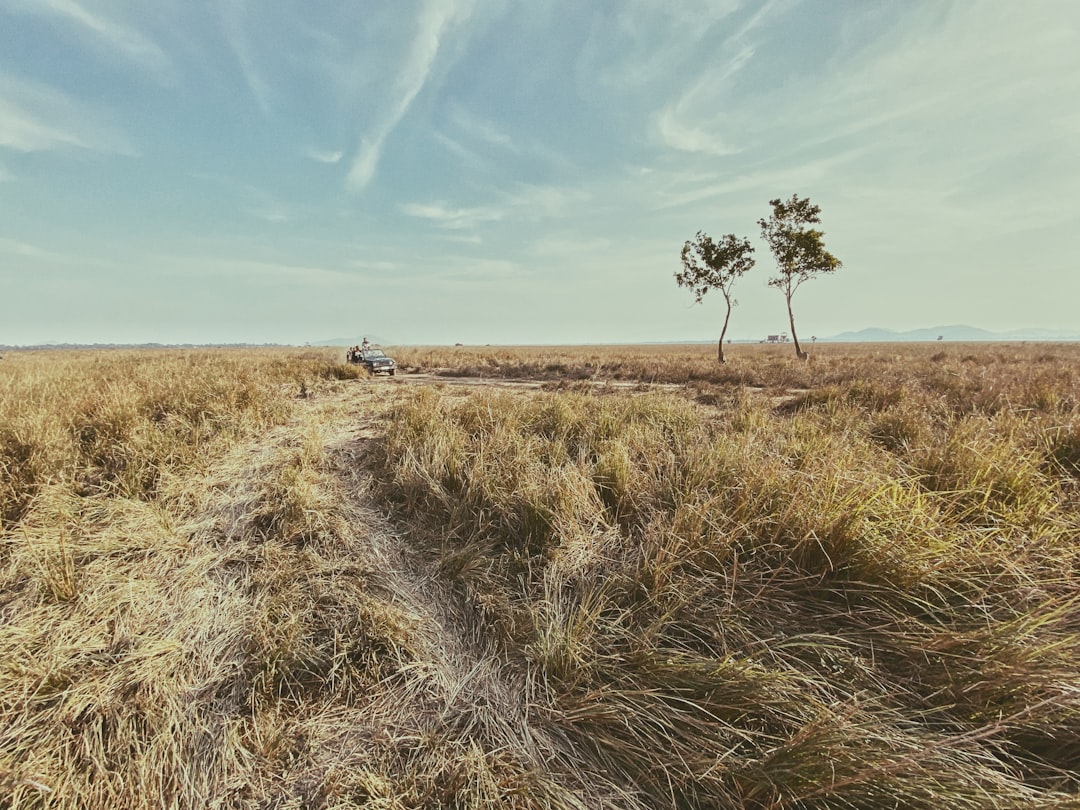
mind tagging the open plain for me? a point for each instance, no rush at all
(542, 577)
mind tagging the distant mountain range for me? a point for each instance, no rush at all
(956, 332)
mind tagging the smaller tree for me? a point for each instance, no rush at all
(709, 265)
(799, 252)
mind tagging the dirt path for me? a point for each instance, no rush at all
(454, 700)
(457, 662)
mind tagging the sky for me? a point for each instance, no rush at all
(490, 171)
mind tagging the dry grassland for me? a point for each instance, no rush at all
(262, 579)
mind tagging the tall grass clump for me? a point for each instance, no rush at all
(109, 422)
(187, 613)
(864, 599)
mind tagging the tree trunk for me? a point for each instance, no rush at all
(720, 346)
(791, 319)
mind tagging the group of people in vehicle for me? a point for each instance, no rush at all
(354, 354)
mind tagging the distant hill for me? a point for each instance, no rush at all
(956, 332)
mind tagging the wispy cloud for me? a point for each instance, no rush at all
(275, 215)
(323, 155)
(233, 15)
(16, 247)
(941, 106)
(673, 190)
(250, 199)
(478, 128)
(480, 271)
(645, 43)
(436, 20)
(959, 72)
(763, 16)
(38, 118)
(525, 202)
(533, 201)
(463, 153)
(254, 270)
(447, 274)
(699, 120)
(46, 258)
(462, 238)
(692, 123)
(483, 134)
(562, 246)
(109, 37)
(954, 106)
(23, 131)
(685, 137)
(375, 266)
(451, 218)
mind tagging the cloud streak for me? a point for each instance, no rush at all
(232, 16)
(493, 141)
(46, 259)
(105, 35)
(324, 156)
(38, 118)
(16, 247)
(523, 203)
(451, 218)
(253, 270)
(436, 20)
(671, 121)
(676, 133)
(485, 131)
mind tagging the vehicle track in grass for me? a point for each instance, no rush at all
(458, 671)
(452, 706)
(456, 694)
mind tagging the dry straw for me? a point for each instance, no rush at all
(259, 579)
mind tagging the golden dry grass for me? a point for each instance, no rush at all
(844, 583)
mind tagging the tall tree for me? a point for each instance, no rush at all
(799, 252)
(709, 265)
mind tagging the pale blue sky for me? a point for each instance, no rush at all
(488, 171)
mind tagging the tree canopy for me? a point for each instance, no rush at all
(798, 249)
(714, 265)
